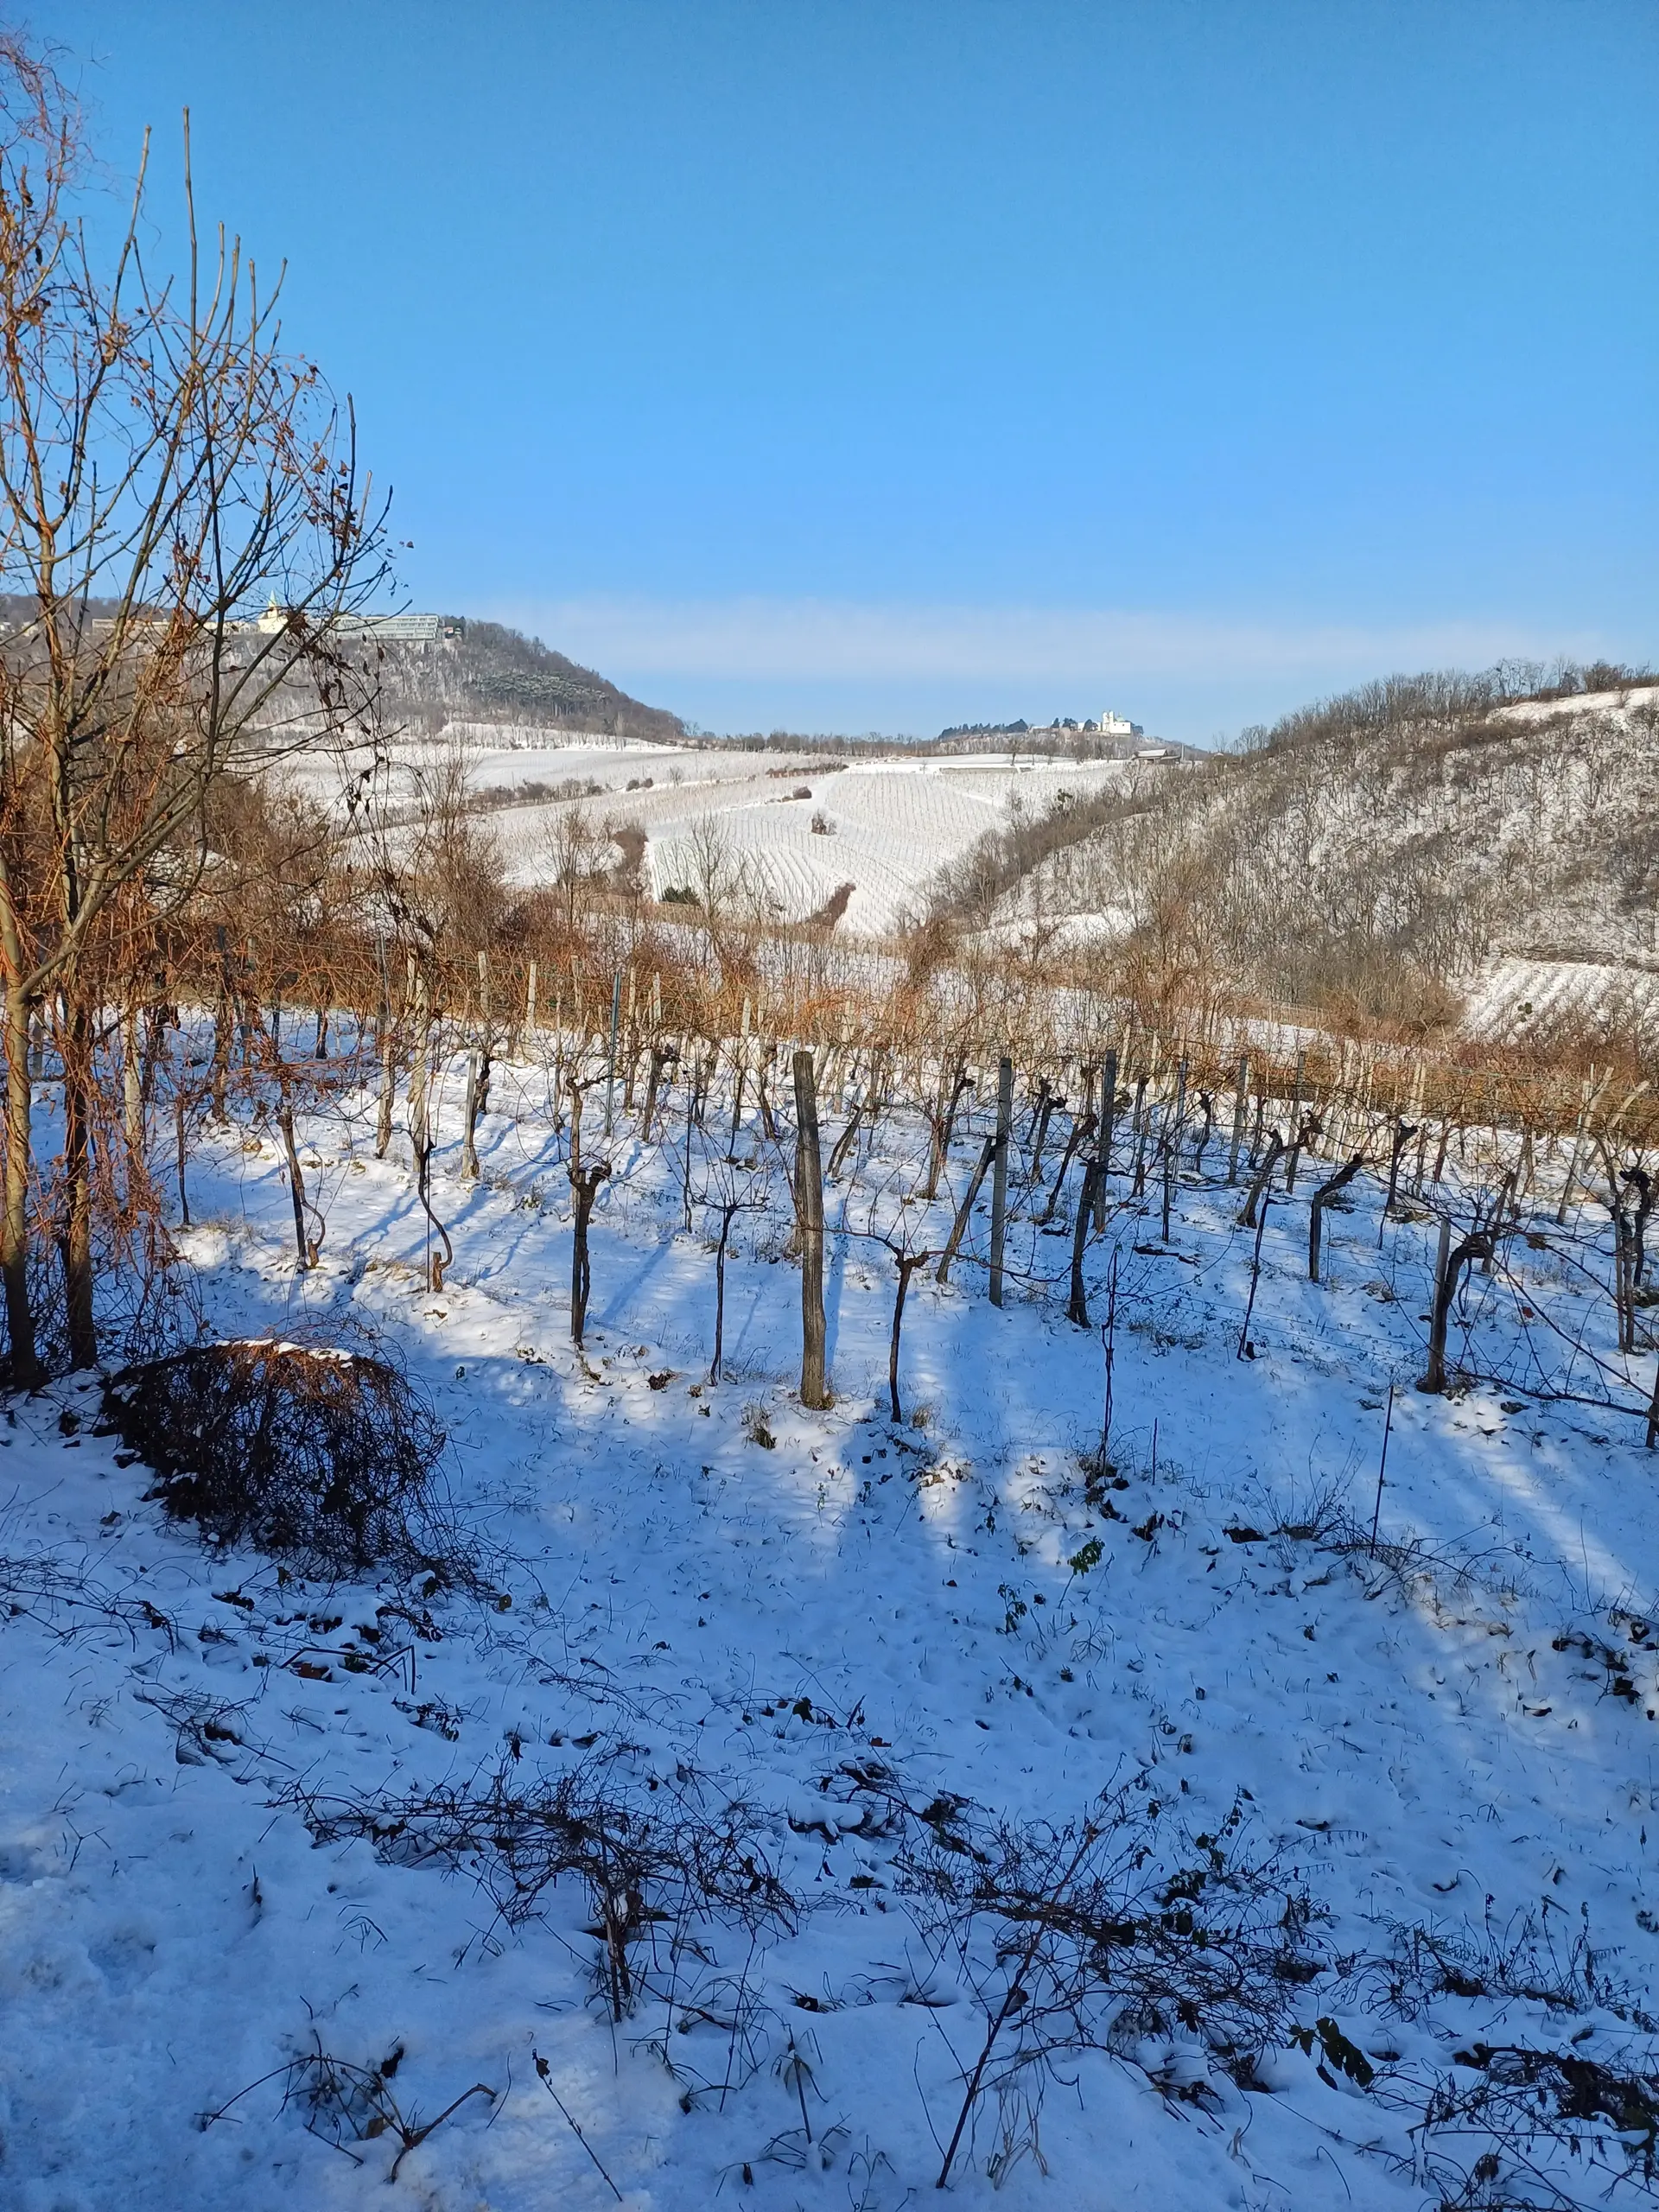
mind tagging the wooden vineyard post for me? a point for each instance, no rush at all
(1107, 1111)
(1434, 1380)
(808, 1213)
(222, 1013)
(1296, 1139)
(1000, 1173)
(469, 1123)
(740, 1069)
(388, 1057)
(610, 1057)
(1172, 1146)
(529, 1004)
(1240, 1110)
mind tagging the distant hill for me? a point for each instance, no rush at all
(494, 674)
(1383, 852)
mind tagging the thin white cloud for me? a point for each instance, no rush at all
(794, 640)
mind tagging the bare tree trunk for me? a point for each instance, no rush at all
(726, 1213)
(661, 1055)
(1102, 1467)
(1204, 1134)
(77, 1246)
(1081, 1132)
(178, 1133)
(848, 1138)
(685, 1166)
(1403, 1134)
(740, 1067)
(420, 1134)
(1586, 1100)
(1263, 1176)
(574, 1086)
(1322, 1197)
(1306, 1131)
(610, 1056)
(1642, 1183)
(1046, 1102)
(940, 1130)
(1000, 1173)
(1260, 1190)
(223, 1015)
(1078, 1311)
(14, 1244)
(132, 1093)
(959, 1226)
(584, 1186)
(296, 1183)
(907, 1264)
(808, 1213)
(1451, 1261)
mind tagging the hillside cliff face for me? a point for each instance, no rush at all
(1383, 850)
(497, 675)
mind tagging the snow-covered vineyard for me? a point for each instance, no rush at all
(792, 829)
(1247, 1806)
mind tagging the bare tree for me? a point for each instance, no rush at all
(165, 466)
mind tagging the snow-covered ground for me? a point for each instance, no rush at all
(695, 1597)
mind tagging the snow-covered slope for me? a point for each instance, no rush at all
(884, 828)
(1375, 860)
(219, 1852)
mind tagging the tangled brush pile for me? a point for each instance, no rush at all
(322, 1455)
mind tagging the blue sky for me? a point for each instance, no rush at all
(877, 366)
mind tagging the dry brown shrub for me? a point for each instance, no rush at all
(325, 1456)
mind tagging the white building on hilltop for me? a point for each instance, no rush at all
(421, 631)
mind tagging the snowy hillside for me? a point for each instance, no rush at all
(1321, 1867)
(884, 828)
(1401, 856)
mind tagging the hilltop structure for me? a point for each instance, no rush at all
(418, 632)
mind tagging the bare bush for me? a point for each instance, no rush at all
(343, 2102)
(322, 1455)
(651, 1869)
(1095, 1934)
